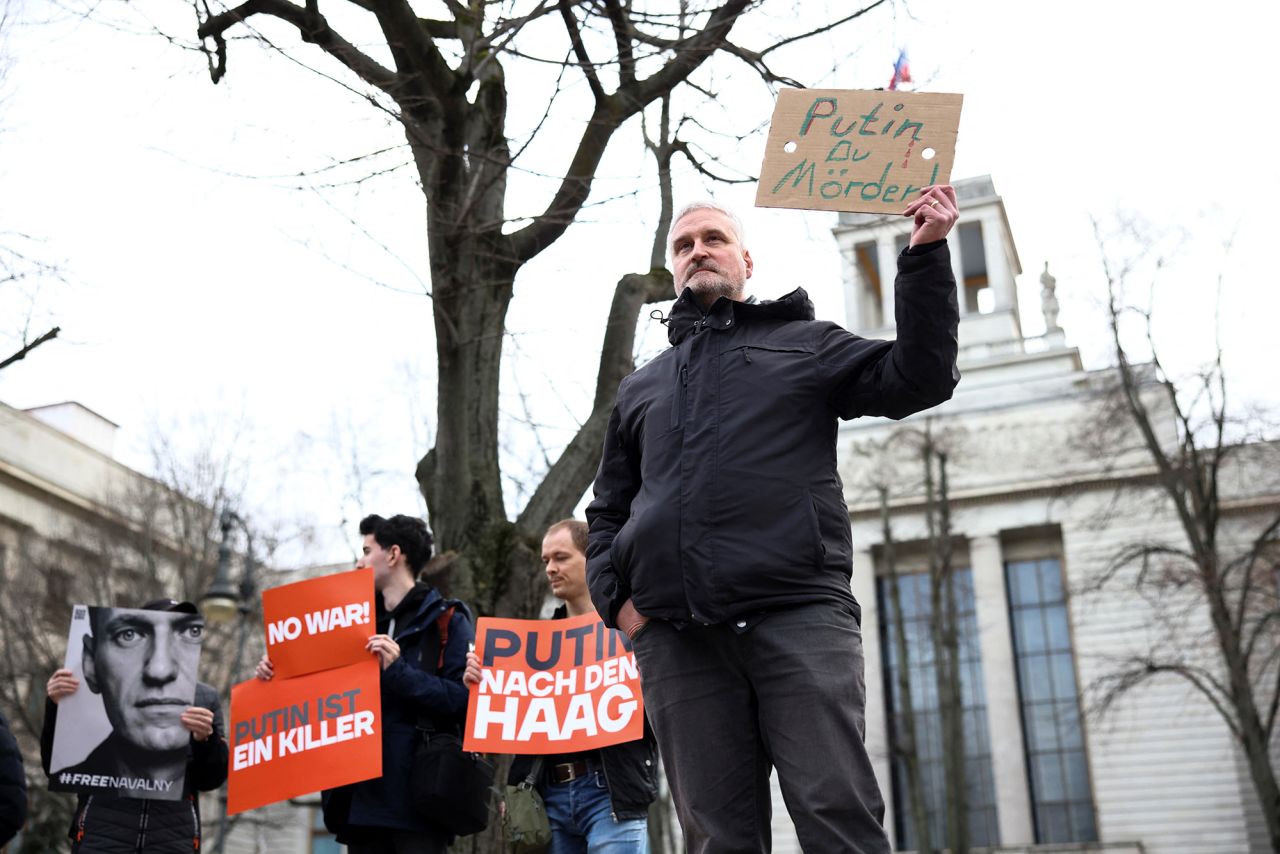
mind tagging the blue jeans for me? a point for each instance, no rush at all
(582, 821)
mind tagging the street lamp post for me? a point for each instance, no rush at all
(224, 602)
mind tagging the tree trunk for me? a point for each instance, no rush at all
(953, 711)
(1251, 733)
(945, 647)
(907, 746)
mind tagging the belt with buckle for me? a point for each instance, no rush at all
(567, 771)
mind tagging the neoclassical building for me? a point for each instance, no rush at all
(1039, 508)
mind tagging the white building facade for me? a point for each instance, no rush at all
(1037, 515)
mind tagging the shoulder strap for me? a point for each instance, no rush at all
(531, 780)
(431, 657)
(436, 643)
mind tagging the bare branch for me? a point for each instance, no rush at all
(683, 148)
(824, 29)
(312, 26)
(607, 117)
(622, 38)
(1140, 670)
(580, 51)
(27, 348)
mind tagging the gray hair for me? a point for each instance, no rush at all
(739, 232)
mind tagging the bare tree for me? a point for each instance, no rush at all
(906, 745)
(944, 624)
(1212, 585)
(447, 84)
(905, 449)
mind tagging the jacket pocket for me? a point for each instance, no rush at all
(620, 551)
(678, 397)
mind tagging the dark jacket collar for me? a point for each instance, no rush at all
(687, 317)
(427, 597)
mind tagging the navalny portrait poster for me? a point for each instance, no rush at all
(121, 731)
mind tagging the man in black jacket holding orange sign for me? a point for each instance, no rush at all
(596, 801)
(720, 539)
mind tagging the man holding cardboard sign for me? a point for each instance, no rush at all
(720, 539)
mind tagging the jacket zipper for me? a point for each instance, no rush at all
(195, 823)
(677, 409)
(142, 829)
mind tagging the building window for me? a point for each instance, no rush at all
(973, 255)
(1057, 769)
(916, 611)
(872, 297)
(322, 841)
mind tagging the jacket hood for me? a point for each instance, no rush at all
(687, 317)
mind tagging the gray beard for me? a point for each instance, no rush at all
(708, 292)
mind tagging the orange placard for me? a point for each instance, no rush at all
(290, 737)
(553, 686)
(319, 623)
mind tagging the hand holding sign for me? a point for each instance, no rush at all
(935, 212)
(386, 649)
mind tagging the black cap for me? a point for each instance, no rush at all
(170, 605)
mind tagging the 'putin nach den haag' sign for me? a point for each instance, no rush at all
(854, 150)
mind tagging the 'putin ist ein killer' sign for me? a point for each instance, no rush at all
(855, 150)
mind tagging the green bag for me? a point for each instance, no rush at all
(524, 822)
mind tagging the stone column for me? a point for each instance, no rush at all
(887, 258)
(1000, 680)
(853, 284)
(864, 590)
(999, 274)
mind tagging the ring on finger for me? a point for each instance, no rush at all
(933, 203)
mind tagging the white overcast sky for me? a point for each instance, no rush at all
(206, 293)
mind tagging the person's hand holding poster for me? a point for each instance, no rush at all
(294, 736)
(320, 623)
(553, 686)
(121, 731)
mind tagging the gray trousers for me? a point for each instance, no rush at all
(787, 693)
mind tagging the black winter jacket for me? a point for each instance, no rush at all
(629, 768)
(105, 824)
(409, 688)
(13, 785)
(717, 494)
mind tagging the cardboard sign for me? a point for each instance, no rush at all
(319, 623)
(553, 686)
(120, 732)
(855, 150)
(290, 737)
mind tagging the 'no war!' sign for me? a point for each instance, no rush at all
(553, 686)
(319, 623)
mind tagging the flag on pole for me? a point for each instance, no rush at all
(901, 70)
